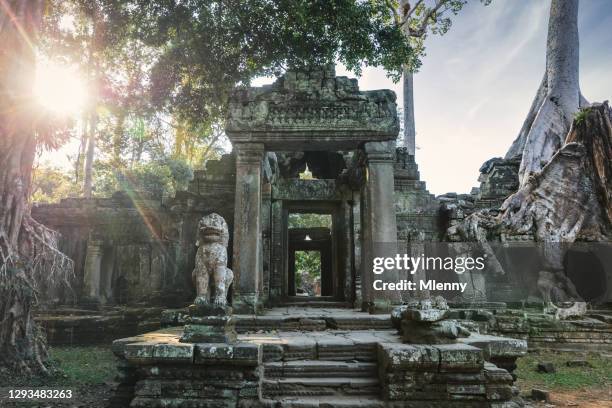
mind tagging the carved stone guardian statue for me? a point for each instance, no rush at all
(211, 275)
(210, 317)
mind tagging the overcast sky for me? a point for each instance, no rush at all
(478, 81)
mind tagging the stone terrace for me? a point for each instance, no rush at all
(302, 367)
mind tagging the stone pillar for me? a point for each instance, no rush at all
(266, 233)
(93, 270)
(247, 248)
(379, 230)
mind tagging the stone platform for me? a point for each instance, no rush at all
(343, 368)
(295, 318)
(82, 326)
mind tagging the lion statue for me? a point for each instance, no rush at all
(211, 275)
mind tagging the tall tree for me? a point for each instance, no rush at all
(558, 97)
(209, 48)
(28, 250)
(416, 20)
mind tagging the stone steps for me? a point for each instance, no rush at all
(317, 368)
(321, 386)
(328, 402)
(316, 304)
(312, 382)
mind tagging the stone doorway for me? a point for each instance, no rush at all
(312, 268)
(310, 262)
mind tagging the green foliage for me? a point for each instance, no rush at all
(181, 173)
(566, 378)
(72, 366)
(309, 220)
(51, 184)
(581, 115)
(307, 263)
(208, 48)
(84, 365)
(158, 178)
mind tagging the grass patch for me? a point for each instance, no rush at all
(84, 365)
(71, 366)
(566, 378)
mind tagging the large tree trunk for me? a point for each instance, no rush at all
(558, 97)
(27, 249)
(569, 200)
(409, 126)
(89, 157)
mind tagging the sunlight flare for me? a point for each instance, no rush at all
(60, 89)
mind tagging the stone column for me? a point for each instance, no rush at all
(266, 234)
(380, 239)
(247, 248)
(93, 266)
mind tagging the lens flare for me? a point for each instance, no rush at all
(60, 89)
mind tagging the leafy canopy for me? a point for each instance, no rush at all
(208, 47)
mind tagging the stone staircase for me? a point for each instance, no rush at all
(333, 373)
(306, 383)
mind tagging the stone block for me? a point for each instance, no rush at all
(467, 389)
(174, 353)
(497, 347)
(244, 354)
(499, 392)
(209, 309)
(272, 352)
(395, 356)
(540, 395)
(300, 348)
(424, 315)
(460, 357)
(496, 375)
(139, 352)
(546, 367)
(194, 333)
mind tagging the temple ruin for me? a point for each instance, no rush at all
(135, 252)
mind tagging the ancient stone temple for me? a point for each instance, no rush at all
(321, 121)
(242, 325)
(277, 346)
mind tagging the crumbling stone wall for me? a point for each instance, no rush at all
(136, 247)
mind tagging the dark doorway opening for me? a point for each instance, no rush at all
(310, 259)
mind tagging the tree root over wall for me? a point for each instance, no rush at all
(569, 200)
(22, 341)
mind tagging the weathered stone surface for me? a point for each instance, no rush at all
(395, 356)
(311, 109)
(439, 332)
(211, 275)
(456, 376)
(132, 248)
(540, 395)
(425, 315)
(497, 347)
(222, 331)
(247, 354)
(459, 357)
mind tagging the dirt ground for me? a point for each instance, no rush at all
(584, 387)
